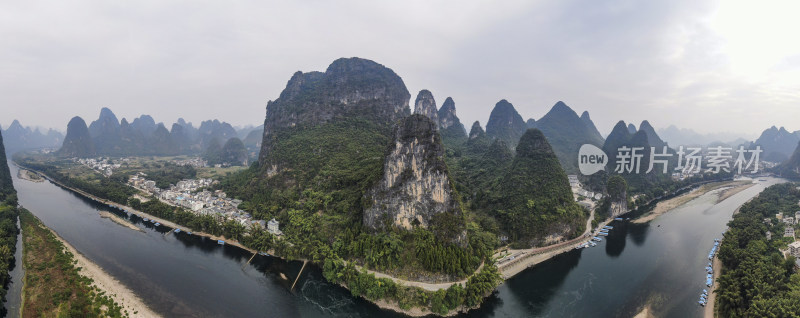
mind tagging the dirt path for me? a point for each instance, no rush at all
(425, 286)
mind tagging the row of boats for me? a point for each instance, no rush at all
(709, 273)
(597, 238)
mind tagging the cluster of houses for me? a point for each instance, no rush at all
(790, 222)
(101, 165)
(579, 191)
(194, 162)
(192, 195)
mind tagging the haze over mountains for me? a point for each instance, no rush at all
(108, 136)
(687, 137)
(18, 138)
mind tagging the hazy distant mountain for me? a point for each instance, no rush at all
(530, 123)
(18, 137)
(505, 123)
(145, 124)
(215, 129)
(652, 137)
(631, 129)
(143, 136)
(778, 144)
(106, 133)
(686, 137)
(242, 132)
(78, 142)
(566, 133)
(791, 167)
(621, 136)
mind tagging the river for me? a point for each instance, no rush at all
(182, 275)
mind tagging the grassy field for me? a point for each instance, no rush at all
(53, 286)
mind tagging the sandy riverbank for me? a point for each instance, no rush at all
(727, 193)
(102, 280)
(667, 205)
(119, 220)
(25, 174)
(645, 313)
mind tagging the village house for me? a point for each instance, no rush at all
(273, 227)
(794, 249)
(788, 232)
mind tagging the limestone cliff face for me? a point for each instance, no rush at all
(415, 186)
(449, 124)
(426, 105)
(618, 208)
(350, 87)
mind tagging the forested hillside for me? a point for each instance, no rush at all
(756, 280)
(8, 225)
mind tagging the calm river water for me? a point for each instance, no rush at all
(660, 263)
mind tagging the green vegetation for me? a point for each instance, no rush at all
(167, 174)
(112, 188)
(53, 286)
(525, 197)
(756, 280)
(442, 301)
(8, 226)
(233, 153)
(535, 199)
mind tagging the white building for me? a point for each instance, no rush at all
(788, 220)
(789, 232)
(573, 181)
(794, 249)
(273, 227)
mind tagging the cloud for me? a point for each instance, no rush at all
(670, 63)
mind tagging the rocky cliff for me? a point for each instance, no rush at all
(449, 124)
(415, 188)
(77, 142)
(426, 105)
(350, 87)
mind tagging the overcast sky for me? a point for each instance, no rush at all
(710, 66)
